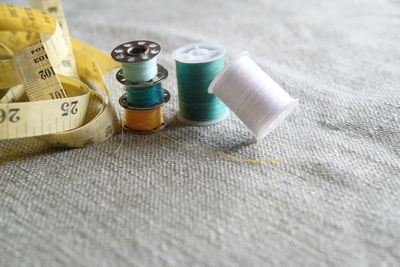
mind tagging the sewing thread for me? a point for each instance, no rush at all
(144, 96)
(141, 71)
(196, 67)
(252, 95)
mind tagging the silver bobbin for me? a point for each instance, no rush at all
(124, 103)
(162, 74)
(136, 51)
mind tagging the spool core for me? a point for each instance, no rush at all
(137, 50)
(198, 53)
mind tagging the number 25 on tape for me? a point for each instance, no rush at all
(69, 108)
(11, 115)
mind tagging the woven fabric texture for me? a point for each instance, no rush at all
(333, 201)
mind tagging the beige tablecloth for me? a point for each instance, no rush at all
(333, 201)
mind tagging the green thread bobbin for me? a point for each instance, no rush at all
(138, 59)
(140, 72)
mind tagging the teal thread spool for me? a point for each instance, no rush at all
(196, 67)
(138, 59)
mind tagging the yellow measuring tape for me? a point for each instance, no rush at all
(45, 78)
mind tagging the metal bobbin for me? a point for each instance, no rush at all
(124, 103)
(162, 74)
(136, 51)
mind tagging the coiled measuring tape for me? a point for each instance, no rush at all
(39, 69)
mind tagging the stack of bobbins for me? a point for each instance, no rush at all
(142, 77)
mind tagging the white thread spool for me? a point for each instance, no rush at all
(259, 102)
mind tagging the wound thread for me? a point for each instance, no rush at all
(196, 67)
(143, 120)
(141, 71)
(252, 95)
(144, 96)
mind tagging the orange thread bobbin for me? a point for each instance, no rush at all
(144, 119)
